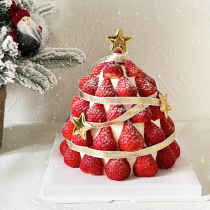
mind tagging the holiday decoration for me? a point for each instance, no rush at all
(24, 55)
(119, 122)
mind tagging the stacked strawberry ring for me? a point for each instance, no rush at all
(129, 130)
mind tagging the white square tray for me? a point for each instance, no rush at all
(62, 184)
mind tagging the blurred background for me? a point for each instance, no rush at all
(171, 43)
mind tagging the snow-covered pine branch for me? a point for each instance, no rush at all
(51, 77)
(45, 8)
(59, 57)
(26, 75)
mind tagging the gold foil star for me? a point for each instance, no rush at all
(81, 126)
(119, 41)
(164, 105)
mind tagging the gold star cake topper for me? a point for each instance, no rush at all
(81, 126)
(119, 41)
(164, 105)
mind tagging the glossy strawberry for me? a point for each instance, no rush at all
(115, 111)
(96, 113)
(170, 121)
(78, 140)
(166, 127)
(145, 89)
(132, 70)
(144, 116)
(125, 88)
(113, 70)
(145, 166)
(153, 134)
(149, 79)
(130, 138)
(118, 51)
(84, 80)
(118, 169)
(67, 130)
(156, 113)
(91, 85)
(72, 158)
(80, 107)
(105, 89)
(68, 118)
(92, 165)
(105, 140)
(75, 99)
(165, 158)
(63, 147)
(98, 68)
(175, 148)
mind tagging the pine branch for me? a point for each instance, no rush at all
(51, 77)
(44, 8)
(5, 19)
(27, 4)
(32, 76)
(59, 57)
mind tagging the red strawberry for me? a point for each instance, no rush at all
(125, 88)
(98, 68)
(132, 70)
(78, 140)
(145, 166)
(105, 89)
(130, 139)
(165, 158)
(63, 147)
(170, 121)
(158, 94)
(84, 80)
(92, 165)
(166, 127)
(112, 70)
(118, 51)
(72, 158)
(118, 169)
(68, 118)
(149, 79)
(115, 111)
(105, 140)
(145, 89)
(79, 107)
(153, 134)
(96, 113)
(75, 99)
(175, 148)
(144, 116)
(67, 130)
(156, 113)
(91, 85)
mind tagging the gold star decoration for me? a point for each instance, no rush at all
(119, 41)
(81, 126)
(164, 105)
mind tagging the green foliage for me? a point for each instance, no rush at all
(44, 8)
(34, 76)
(59, 57)
(4, 15)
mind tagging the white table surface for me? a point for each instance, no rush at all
(25, 148)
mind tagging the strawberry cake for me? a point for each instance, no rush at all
(119, 124)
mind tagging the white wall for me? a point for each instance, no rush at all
(171, 42)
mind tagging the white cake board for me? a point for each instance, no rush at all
(62, 184)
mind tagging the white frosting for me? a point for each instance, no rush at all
(140, 128)
(116, 130)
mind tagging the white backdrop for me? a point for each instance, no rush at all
(171, 42)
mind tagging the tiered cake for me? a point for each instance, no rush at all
(119, 124)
